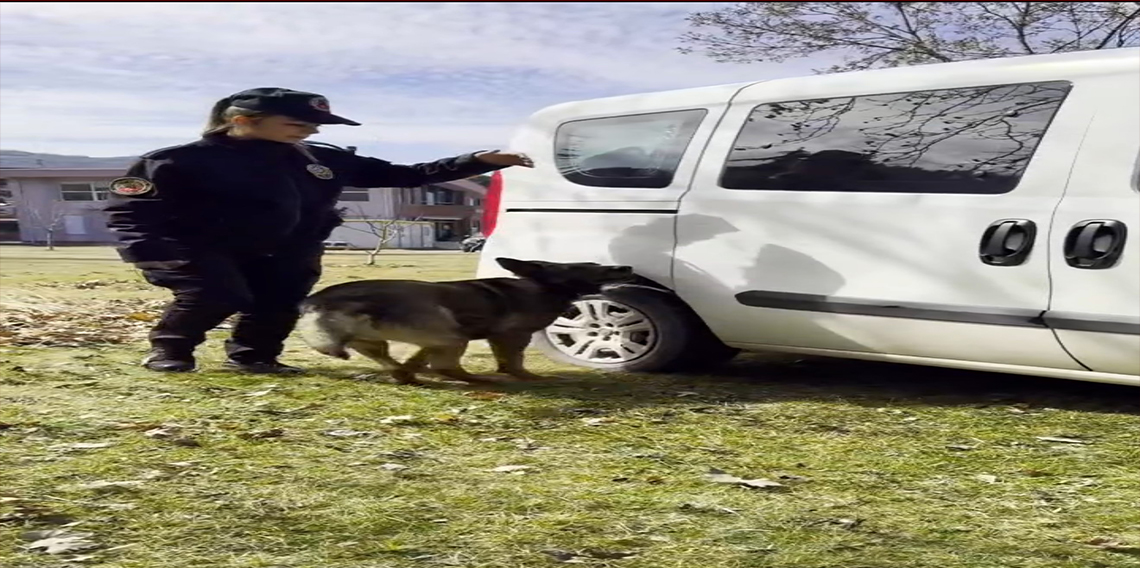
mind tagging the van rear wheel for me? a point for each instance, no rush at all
(632, 329)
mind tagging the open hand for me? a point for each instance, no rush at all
(497, 158)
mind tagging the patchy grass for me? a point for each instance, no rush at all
(882, 465)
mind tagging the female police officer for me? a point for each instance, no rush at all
(234, 222)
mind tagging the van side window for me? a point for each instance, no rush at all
(625, 151)
(969, 140)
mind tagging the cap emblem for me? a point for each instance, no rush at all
(320, 103)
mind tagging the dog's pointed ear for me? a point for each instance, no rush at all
(519, 267)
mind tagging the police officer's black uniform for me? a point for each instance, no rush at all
(236, 226)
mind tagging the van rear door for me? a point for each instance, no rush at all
(608, 176)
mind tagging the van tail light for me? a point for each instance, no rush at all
(491, 203)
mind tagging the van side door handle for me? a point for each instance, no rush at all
(1095, 244)
(1007, 242)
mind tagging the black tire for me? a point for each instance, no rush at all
(683, 342)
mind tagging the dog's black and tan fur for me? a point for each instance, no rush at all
(442, 317)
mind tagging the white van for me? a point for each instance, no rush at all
(980, 215)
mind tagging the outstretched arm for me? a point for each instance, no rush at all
(373, 172)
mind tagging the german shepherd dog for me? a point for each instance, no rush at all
(442, 317)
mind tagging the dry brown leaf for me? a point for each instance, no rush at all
(267, 390)
(58, 541)
(30, 319)
(567, 557)
(1062, 440)
(717, 476)
(162, 432)
(484, 395)
(708, 508)
(516, 469)
(346, 433)
(597, 421)
(112, 486)
(89, 445)
(528, 445)
(1113, 545)
(23, 511)
(397, 419)
(262, 434)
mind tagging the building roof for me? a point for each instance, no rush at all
(76, 173)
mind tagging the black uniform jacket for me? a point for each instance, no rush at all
(251, 197)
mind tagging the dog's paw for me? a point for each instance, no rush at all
(372, 377)
(404, 377)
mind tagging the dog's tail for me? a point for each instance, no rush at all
(314, 330)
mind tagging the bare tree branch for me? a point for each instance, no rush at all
(888, 34)
(46, 219)
(385, 230)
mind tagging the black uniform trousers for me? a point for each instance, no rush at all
(265, 292)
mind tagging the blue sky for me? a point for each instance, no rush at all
(427, 79)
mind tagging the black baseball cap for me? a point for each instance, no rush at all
(309, 107)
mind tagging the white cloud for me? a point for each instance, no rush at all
(114, 78)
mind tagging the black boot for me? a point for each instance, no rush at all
(169, 361)
(270, 367)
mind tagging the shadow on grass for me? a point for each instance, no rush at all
(753, 378)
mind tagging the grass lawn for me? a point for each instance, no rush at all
(880, 465)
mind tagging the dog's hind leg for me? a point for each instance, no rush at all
(376, 351)
(445, 361)
(509, 351)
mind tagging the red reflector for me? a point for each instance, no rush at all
(491, 203)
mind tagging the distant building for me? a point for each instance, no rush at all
(69, 202)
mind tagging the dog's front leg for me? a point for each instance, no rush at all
(509, 350)
(376, 351)
(406, 373)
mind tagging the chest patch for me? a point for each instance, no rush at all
(319, 171)
(131, 186)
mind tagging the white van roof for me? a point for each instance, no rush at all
(1083, 62)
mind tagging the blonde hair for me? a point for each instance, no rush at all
(223, 113)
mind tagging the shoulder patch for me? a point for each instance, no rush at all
(320, 171)
(131, 186)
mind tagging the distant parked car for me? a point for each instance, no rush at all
(474, 243)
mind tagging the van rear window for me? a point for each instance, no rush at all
(969, 140)
(640, 151)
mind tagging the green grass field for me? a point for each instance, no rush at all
(880, 465)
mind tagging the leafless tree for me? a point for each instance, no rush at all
(47, 219)
(385, 230)
(888, 34)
